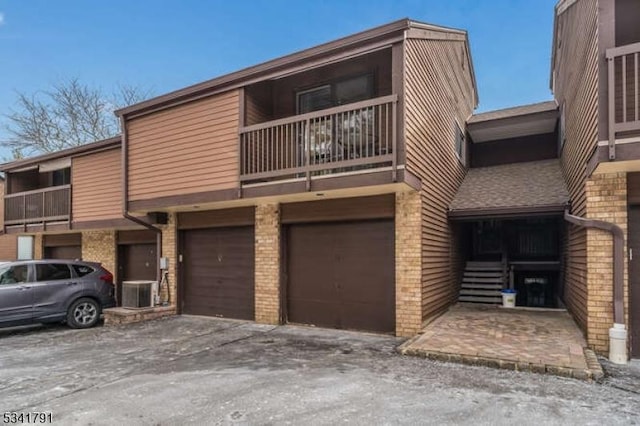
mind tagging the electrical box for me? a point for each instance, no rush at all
(164, 263)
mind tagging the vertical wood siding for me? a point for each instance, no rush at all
(438, 90)
(8, 243)
(576, 85)
(186, 149)
(96, 186)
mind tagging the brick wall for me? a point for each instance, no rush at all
(267, 264)
(606, 200)
(408, 263)
(100, 246)
(169, 249)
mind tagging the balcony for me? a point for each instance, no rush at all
(624, 92)
(347, 138)
(39, 206)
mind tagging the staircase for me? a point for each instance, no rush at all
(482, 283)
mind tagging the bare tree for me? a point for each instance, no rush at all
(68, 115)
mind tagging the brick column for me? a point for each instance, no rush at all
(408, 264)
(606, 200)
(267, 264)
(170, 250)
(38, 246)
(100, 246)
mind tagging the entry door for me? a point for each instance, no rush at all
(136, 262)
(342, 275)
(634, 279)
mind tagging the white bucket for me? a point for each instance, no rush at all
(509, 298)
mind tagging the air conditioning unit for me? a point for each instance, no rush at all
(139, 294)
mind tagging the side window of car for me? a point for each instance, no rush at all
(82, 270)
(52, 272)
(13, 274)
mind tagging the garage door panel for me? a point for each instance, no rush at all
(63, 252)
(218, 272)
(342, 275)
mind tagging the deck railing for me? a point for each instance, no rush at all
(349, 137)
(38, 206)
(624, 91)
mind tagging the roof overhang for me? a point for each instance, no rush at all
(60, 159)
(515, 122)
(509, 190)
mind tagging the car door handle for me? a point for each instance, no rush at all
(73, 283)
(23, 288)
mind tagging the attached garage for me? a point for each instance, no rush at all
(217, 268)
(63, 246)
(340, 263)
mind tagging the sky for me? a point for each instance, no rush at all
(164, 45)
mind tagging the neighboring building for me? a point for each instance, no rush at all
(349, 185)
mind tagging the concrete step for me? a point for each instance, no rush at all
(483, 286)
(483, 274)
(482, 280)
(485, 265)
(480, 299)
(490, 293)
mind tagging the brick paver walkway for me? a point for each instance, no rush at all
(542, 339)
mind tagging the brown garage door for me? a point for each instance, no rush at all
(218, 268)
(342, 275)
(63, 246)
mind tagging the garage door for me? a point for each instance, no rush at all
(218, 268)
(342, 275)
(63, 246)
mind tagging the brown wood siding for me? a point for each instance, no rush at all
(514, 150)
(258, 105)
(375, 207)
(438, 90)
(96, 186)
(62, 240)
(576, 85)
(186, 149)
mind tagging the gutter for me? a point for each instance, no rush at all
(618, 333)
(125, 200)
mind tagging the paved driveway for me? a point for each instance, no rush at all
(186, 370)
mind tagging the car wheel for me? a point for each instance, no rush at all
(83, 313)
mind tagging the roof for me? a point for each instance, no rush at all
(513, 112)
(525, 120)
(519, 187)
(69, 152)
(388, 33)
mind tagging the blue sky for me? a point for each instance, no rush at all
(164, 45)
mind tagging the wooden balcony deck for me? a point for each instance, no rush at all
(38, 206)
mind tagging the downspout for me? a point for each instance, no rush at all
(617, 333)
(125, 199)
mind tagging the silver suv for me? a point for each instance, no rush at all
(41, 291)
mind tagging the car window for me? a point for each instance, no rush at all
(13, 274)
(82, 270)
(52, 271)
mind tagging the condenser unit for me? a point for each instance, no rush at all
(139, 294)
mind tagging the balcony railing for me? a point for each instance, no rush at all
(624, 91)
(38, 206)
(345, 138)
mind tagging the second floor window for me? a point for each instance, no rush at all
(338, 93)
(460, 143)
(61, 177)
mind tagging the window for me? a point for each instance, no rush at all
(61, 177)
(52, 272)
(460, 144)
(82, 270)
(341, 92)
(13, 274)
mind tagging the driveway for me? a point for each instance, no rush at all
(186, 370)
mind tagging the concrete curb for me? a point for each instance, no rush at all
(593, 372)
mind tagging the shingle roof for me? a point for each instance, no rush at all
(513, 112)
(519, 185)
